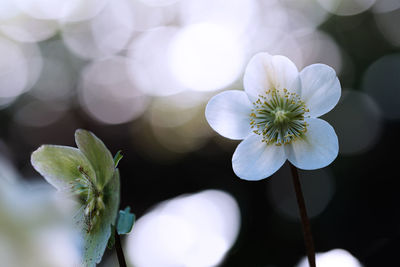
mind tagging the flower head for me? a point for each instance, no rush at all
(88, 173)
(277, 116)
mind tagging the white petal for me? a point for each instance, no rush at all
(320, 89)
(254, 160)
(317, 149)
(228, 113)
(268, 72)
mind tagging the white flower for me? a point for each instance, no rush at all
(276, 115)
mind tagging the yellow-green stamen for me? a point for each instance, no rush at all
(90, 195)
(278, 116)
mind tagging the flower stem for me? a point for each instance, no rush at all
(120, 252)
(308, 240)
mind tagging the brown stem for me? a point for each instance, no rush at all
(120, 252)
(308, 240)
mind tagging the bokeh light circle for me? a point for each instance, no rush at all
(148, 17)
(319, 47)
(23, 28)
(332, 258)
(357, 121)
(346, 7)
(383, 6)
(39, 114)
(71, 10)
(8, 9)
(46, 9)
(318, 187)
(148, 62)
(220, 12)
(112, 28)
(388, 25)
(159, 2)
(193, 230)
(382, 82)
(79, 39)
(77, 10)
(277, 42)
(56, 81)
(13, 71)
(206, 57)
(107, 94)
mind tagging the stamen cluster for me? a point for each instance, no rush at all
(89, 194)
(279, 117)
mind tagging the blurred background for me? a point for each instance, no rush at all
(138, 73)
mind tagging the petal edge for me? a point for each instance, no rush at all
(317, 149)
(254, 160)
(321, 89)
(265, 72)
(228, 113)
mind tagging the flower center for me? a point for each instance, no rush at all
(279, 117)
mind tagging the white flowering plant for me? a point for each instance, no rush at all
(277, 116)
